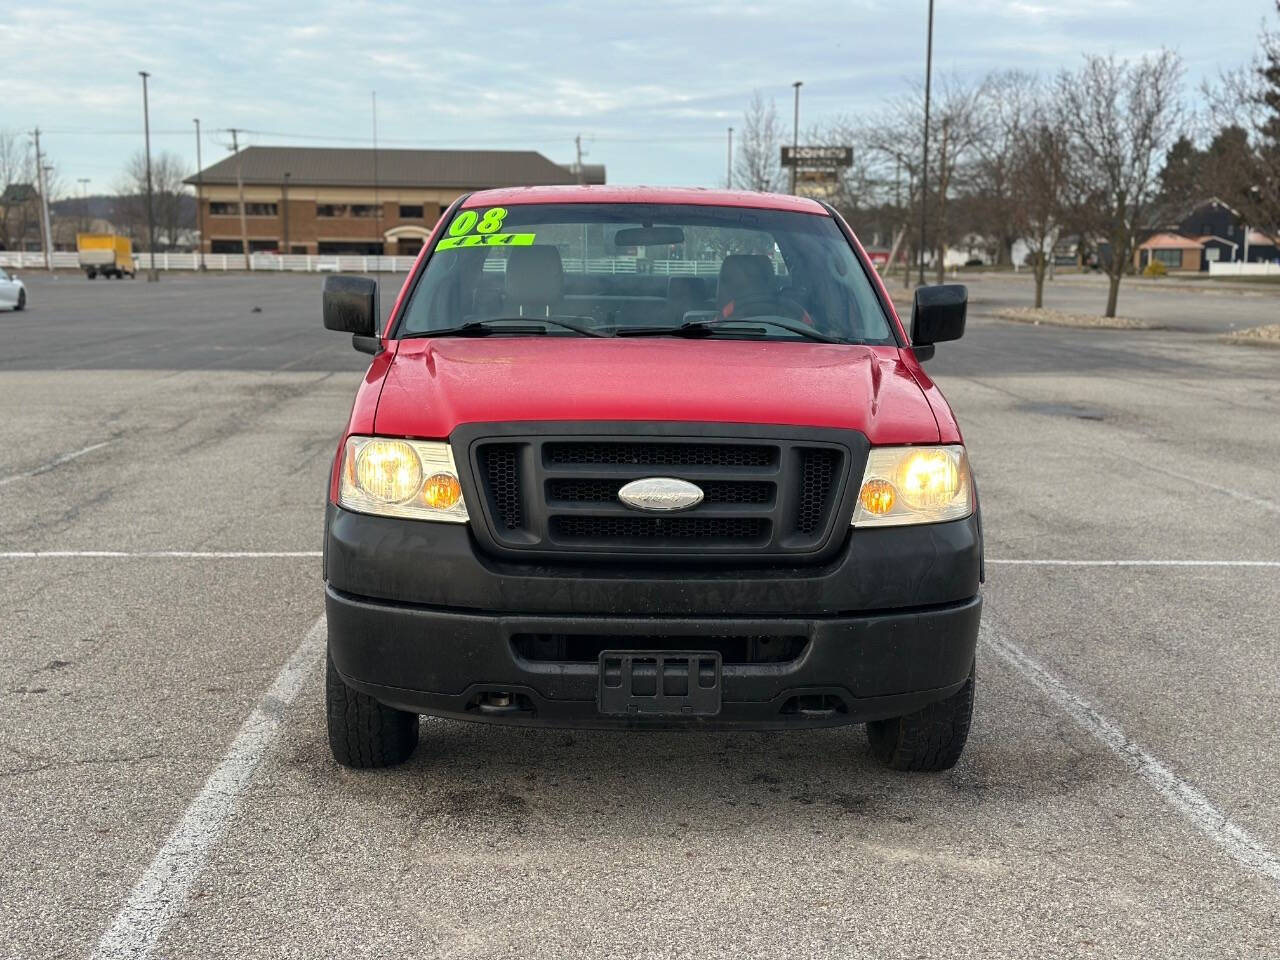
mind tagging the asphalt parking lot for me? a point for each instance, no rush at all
(165, 774)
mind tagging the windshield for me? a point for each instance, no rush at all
(623, 269)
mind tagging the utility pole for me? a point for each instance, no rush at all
(199, 194)
(84, 203)
(377, 204)
(728, 178)
(284, 203)
(44, 207)
(152, 274)
(582, 174)
(795, 137)
(244, 229)
(581, 181)
(924, 165)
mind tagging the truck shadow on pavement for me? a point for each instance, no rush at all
(469, 779)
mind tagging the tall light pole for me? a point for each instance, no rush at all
(728, 179)
(795, 137)
(47, 232)
(84, 203)
(152, 275)
(924, 163)
(47, 172)
(199, 193)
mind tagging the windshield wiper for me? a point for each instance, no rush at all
(704, 328)
(482, 328)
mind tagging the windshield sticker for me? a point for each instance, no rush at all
(487, 240)
(487, 227)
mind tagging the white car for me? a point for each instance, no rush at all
(12, 293)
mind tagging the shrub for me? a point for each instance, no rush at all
(1155, 269)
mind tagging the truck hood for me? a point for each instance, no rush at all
(434, 385)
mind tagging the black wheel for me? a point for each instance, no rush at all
(364, 733)
(22, 300)
(91, 274)
(930, 739)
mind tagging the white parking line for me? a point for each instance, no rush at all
(1138, 563)
(1182, 796)
(154, 554)
(52, 464)
(164, 888)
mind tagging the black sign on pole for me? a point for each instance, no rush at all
(817, 158)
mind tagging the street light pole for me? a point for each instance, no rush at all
(152, 275)
(795, 137)
(199, 194)
(728, 178)
(924, 163)
(84, 203)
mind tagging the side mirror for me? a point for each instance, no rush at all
(937, 315)
(351, 306)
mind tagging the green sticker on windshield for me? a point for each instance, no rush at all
(487, 240)
(487, 226)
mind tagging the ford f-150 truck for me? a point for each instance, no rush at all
(649, 458)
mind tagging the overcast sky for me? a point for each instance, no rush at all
(651, 86)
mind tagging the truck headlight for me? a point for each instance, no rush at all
(903, 485)
(401, 478)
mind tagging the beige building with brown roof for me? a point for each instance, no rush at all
(318, 200)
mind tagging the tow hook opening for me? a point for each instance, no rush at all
(814, 705)
(500, 703)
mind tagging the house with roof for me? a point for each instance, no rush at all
(329, 200)
(1210, 232)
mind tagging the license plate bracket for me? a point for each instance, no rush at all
(660, 683)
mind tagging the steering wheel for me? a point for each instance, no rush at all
(773, 305)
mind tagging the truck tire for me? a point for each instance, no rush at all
(91, 274)
(364, 733)
(929, 740)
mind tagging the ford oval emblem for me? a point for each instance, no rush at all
(661, 494)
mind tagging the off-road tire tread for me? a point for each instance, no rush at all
(364, 733)
(929, 740)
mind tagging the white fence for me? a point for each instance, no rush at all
(265, 262)
(1221, 269)
(273, 263)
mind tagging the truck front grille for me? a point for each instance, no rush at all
(761, 497)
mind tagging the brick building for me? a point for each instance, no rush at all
(313, 200)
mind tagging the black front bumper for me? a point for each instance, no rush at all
(420, 619)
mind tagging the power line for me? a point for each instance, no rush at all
(335, 138)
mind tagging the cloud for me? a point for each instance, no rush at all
(651, 86)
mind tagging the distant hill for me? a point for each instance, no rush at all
(111, 206)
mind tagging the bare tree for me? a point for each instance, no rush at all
(168, 194)
(960, 119)
(894, 141)
(1006, 102)
(1245, 104)
(17, 177)
(1040, 187)
(1121, 116)
(757, 160)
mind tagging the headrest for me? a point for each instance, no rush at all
(534, 276)
(687, 289)
(744, 275)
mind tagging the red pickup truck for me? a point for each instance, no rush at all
(649, 458)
